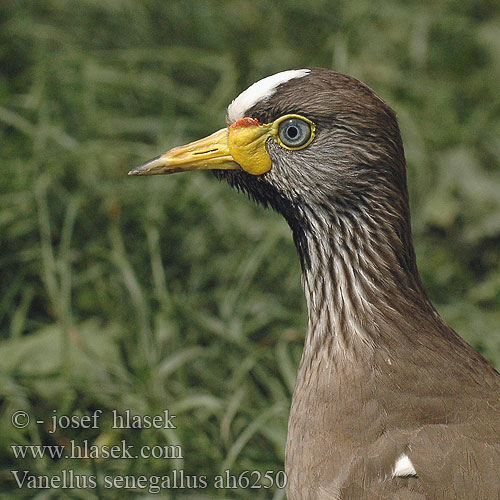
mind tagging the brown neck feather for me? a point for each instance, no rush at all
(361, 267)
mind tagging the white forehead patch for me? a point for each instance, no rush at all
(259, 91)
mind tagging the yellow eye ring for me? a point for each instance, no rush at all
(293, 132)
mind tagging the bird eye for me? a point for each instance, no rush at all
(295, 133)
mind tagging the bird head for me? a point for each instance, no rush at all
(307, 139)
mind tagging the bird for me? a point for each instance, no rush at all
(389, 403)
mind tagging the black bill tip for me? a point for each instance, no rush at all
(142, 169)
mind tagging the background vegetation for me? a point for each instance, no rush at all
(175, 292)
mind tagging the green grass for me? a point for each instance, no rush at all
(175, 292)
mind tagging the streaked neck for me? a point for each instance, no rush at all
(360, 267)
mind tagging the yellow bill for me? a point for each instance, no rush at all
(212, 152)
(242, 146)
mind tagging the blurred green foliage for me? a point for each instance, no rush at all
(174, 292)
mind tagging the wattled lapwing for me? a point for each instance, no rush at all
(389, 403)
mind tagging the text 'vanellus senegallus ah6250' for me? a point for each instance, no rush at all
(389, 403)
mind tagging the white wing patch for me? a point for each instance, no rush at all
(404, 467)
(260, 90)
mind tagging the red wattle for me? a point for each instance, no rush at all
(245, 122)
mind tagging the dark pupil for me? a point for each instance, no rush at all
(293, 132)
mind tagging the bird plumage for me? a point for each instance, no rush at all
(382, 380)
